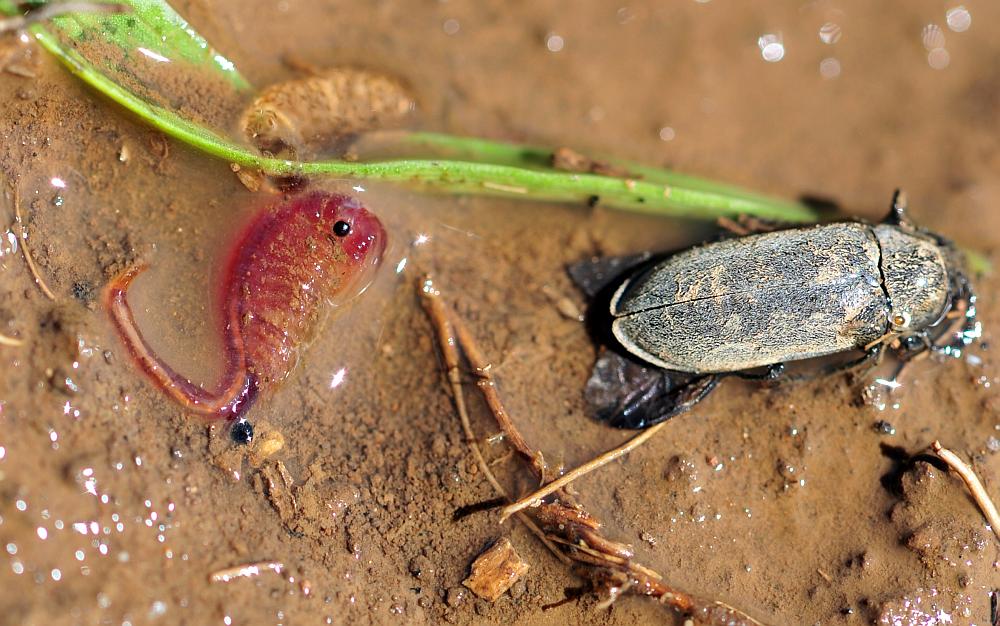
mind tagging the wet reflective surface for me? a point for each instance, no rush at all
(116, 507)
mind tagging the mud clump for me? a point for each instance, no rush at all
(312, 508)
(306, 117)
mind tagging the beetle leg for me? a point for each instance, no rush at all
(627, 395)
(773, 373)
(871, 358)
(970, 330)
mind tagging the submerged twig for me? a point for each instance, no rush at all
(54, 9)
(23, 236)
(973, 483)
(443, 324)
(607, 564)
(535, 498)
(488, 388)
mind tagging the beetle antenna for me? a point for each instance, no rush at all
(898, 213)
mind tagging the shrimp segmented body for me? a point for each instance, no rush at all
(293, 258)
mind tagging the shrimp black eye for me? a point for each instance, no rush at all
(341, 229)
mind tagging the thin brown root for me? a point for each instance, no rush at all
(55, 9)
(973, 483)
(443, 326)
(535, 498)
(10, 341)
(247, 570)
(23, 237)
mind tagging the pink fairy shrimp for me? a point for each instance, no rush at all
(291, 258)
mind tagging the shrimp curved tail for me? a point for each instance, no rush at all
(238, 389)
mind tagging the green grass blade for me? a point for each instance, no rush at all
(519, 155)
(150, 28)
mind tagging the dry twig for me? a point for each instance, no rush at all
(972, 482)
(535, 498)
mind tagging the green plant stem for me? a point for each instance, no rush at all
(447, 176)
(526, 156)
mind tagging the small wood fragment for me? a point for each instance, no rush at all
(495, 571)
(250, 179)
(569, 160)
(13, 342)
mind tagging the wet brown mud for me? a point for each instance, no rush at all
(783, 501)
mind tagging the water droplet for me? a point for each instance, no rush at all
(830, 33)
(667, 134)
(159, 608)
(451, 27)
(771, 48)
(938, 58)
(959, 19)
(56, 575)
(554, 42)
(829, 68)
(932, 37)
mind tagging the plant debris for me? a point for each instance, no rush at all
(495, 571)
(606, 565)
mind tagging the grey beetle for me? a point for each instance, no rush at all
(746, 306)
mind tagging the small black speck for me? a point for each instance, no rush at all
(341, 228)
(242, 432)
(83, 291)
(593, 200)
(883, 427)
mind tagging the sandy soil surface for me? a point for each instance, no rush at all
(784, 501)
